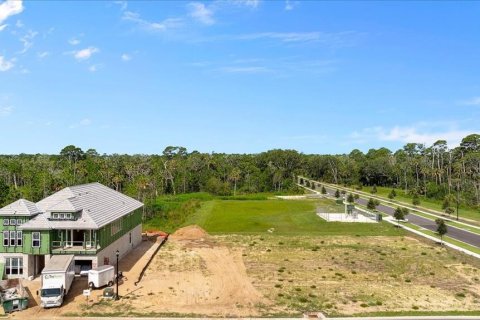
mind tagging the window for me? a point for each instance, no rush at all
(19, 222)
(14, 266)
(5, 238)
(13, 238)
(19, 238)
(62, 216)
(116, 227)
(6, 222)
(12, 222)
(36, 239)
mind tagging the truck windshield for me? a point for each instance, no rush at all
(53, 292)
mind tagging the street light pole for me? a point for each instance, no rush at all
(117, 253)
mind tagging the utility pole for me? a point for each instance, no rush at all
(117, 253)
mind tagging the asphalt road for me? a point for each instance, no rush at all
(453, 232)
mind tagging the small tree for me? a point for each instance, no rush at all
(356, 196)
(415, 200)
(374, 189)
(399, 215)
(446, 202)
(449, 210)
(350, 198)
(392, 194)
(313, 185)
(324, 191)
(337, 193)
(307, 183)
(371, 205)
(301, 180)
(441, 229)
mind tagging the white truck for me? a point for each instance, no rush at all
(57, 278)
(101, 276)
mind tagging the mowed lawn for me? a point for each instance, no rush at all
(286, 217)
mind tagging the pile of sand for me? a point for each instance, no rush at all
(192, 232)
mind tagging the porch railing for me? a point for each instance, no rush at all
(74, 244)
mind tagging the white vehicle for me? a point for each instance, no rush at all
(57, 278)
(101, 276)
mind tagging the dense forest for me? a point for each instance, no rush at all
(434, 171)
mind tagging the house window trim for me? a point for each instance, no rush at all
(13, 238)
(19, 238)
(6, 222)
(7, 238)
(9, 267)
(35, 240)
(13, 222)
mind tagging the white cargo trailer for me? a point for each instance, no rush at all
(57, 278)
(101, 276)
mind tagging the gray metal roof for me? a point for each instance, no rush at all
(97, 205)
(20, 207)
(58, 263)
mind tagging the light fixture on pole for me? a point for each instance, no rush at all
(117, 253)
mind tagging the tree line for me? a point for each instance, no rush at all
(435, 171)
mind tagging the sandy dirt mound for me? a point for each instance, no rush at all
(192, 232)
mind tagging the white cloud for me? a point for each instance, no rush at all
(289, 5)
(334, 39)
(19, 24)
(201, 13)
(3, 26)
(419, 133)
(152, 26)
(284, 36)
(27, 40)
(94, 67)
(125, 57)
(85, 54)
(245, 69)
(123, 4)
(6, 111)
(248, 3)
(74, 41)
(42, 55)
(475, 101)
(5, 64)
(83, 123)
(10, 8)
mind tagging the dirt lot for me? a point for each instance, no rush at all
(198, 274)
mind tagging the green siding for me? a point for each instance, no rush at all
(104, 235)
(44, 243)
(27, 239)
(128, 222)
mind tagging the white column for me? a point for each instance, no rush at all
(71, 235)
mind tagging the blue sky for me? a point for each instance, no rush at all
(240, 76)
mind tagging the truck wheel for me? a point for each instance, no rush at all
(110, 283)
(91, 285)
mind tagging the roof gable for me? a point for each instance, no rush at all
(20, 207)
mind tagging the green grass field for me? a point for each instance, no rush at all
(286, 217)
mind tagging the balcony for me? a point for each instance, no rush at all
(75, 247)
